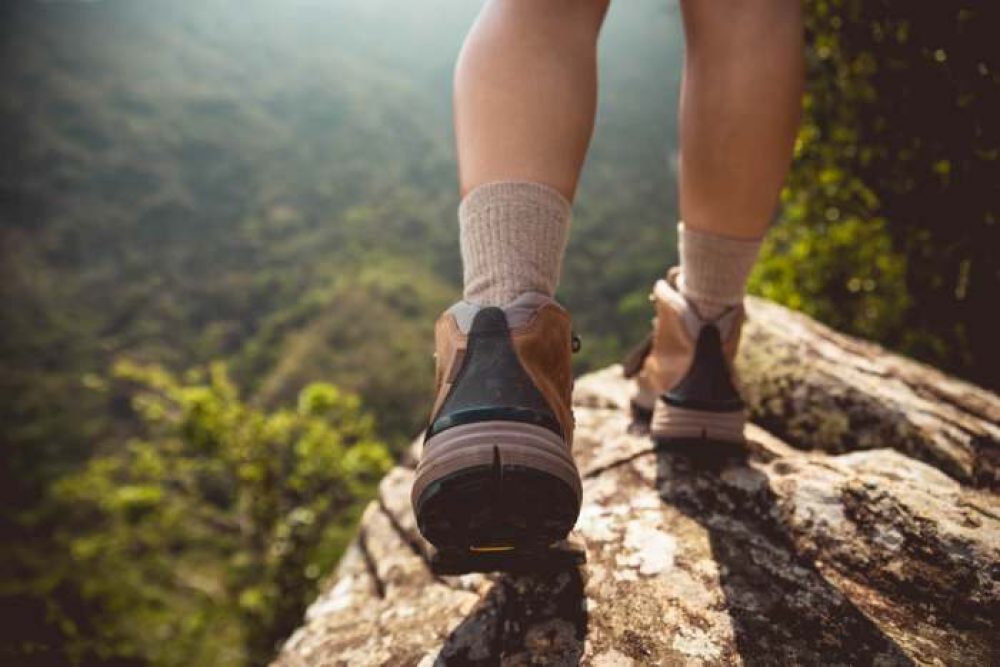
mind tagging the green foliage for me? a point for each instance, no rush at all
(831, 255)
(367, 326)
(845, 273)
(891, 219)
(202, 542)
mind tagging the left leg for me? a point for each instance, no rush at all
(497, 475)
(525, 99)
(526, 93)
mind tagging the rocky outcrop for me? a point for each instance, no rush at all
(860, 525)
(818, 389)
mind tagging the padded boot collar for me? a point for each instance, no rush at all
(519, 311)
(666, 290)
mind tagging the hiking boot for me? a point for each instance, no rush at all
(684, 371)
(497, 473)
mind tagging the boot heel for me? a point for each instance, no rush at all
(671, 422)
(495, 486)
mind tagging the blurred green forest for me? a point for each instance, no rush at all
(226, 229)
(890, 225)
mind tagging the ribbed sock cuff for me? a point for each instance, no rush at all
(513, 236)
(714, 269)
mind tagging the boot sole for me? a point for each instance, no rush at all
(672, 423)
(496, 486)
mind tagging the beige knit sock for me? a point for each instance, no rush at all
(513, 236)
(714, 269)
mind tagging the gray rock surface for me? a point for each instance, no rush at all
(862, 527)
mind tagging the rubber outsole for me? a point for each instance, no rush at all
(670, 423)
(489, 490)
(559, 557)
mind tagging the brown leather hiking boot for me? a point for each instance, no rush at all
(497, 472)
(684, 371)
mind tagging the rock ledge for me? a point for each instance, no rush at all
(860, 526)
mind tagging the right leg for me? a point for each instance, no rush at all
(496, 473)
(739, 113)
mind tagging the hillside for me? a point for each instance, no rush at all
(191, 181)
(271, 186)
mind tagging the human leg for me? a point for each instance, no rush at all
(526, 92)
(525, 98)
(739, 112)
(496, 472)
